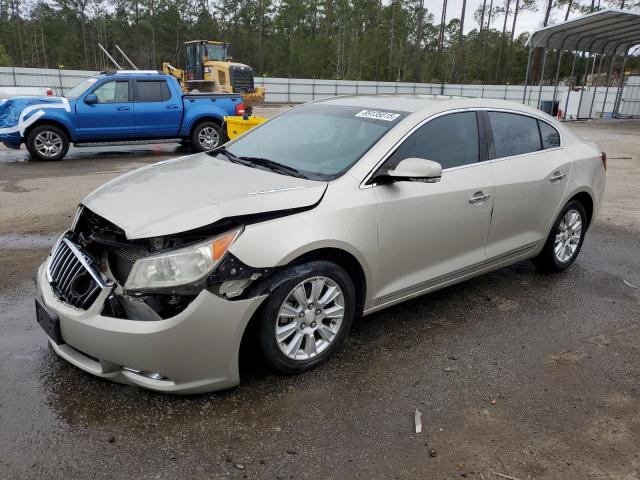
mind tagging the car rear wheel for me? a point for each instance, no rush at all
(307, 317)
(565, 239)
(206, 136)
(47, 143)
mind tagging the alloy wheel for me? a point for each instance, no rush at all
(48, 143)
(208, 138)
(310, 318)
(568, 236)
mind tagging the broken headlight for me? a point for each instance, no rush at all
(181, 266)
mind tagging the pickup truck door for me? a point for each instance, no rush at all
(111, 118)
(157, 110)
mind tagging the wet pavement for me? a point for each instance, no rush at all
(516, 373)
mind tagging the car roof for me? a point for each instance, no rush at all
(431, 104)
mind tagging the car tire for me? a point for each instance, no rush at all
(316, 328)
(47, 143)
(565, 239)
(206, 136)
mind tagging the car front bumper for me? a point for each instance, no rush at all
(195, 351)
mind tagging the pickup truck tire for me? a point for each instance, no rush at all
(47, 143)
(206, 136)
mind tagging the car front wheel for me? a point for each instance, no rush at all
(47, 143)
(565, 239)
(307, 317)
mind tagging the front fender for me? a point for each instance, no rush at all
(17, 115)
(277, 242)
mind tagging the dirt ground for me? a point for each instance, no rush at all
(517, 374)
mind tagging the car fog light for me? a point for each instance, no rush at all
(151, 375)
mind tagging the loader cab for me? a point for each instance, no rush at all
(198, 52)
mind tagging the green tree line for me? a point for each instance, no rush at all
(392, 40)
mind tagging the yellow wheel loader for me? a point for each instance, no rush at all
(208, 68)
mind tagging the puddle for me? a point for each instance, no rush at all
(27, 242)
(100, 152)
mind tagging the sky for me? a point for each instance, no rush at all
(527, 21)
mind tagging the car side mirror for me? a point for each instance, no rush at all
(91, 99)
(415, 170)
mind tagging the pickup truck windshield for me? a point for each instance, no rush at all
(80, 88)
(320, 141)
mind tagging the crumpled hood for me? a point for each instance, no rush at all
(190, 192)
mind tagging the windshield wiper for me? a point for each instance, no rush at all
(226, 153)
(259, 162)
(274, 166)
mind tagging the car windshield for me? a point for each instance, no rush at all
(80, 88)
(320, 141)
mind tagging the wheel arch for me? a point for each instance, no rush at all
(51, 122)
(586, 199)
(340, 257)
(207, 118)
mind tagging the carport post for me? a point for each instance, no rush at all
(595, 90)
(584, 84)
(566, 102)
(616, 104)
(606, 92)
(555, 85)
(544, 62)
(526, 76)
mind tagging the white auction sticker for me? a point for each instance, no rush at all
(377, 115)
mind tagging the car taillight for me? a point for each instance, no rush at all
(49, 92)
(603, 156)
(240, 109)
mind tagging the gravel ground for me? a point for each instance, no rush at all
(516, 373)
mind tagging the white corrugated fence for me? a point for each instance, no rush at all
(298, 90)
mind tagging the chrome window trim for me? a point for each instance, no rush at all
(363, 183)
(526, 114)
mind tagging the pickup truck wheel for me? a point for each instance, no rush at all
(206, 136)
(47, 143)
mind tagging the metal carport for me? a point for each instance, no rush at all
(606, 33)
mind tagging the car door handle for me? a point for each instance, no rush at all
(557, 176)
(172, 107)
(123, 108)
(479, 197)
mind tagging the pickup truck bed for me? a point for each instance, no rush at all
(116, 108)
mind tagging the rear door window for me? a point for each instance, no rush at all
(451, 140)
(550, 136)
(514, 134)
(152, 91)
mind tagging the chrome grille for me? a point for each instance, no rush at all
(72, 276)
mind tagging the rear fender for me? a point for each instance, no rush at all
(206, 109)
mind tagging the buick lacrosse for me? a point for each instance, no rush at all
(333, 210)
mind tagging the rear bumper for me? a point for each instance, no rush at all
(195, 351)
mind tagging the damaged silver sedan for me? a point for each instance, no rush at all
(333, 210)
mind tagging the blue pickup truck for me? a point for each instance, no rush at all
(115, 108)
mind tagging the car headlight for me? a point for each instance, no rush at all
(181, 266)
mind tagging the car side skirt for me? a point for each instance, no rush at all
(457, 276)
